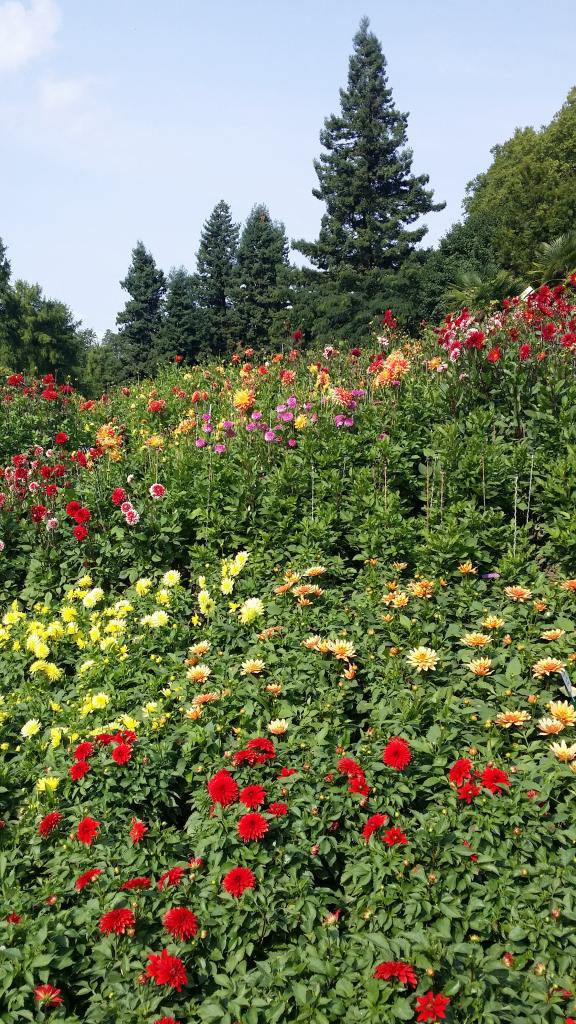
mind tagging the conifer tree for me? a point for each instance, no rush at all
(365, 176)
(261, 292)
(141, 318)
(183, 325)
(216, 264)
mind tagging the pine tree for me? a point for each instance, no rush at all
(261, 292)
(365, 176)
(184, 323)
(216, 263)
(141, 318)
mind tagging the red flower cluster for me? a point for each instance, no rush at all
(355, 774)
(141, 882)
(171, 877)
(462, 774)
(257, 751)
(253, 796)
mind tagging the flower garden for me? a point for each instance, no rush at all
(287, 719)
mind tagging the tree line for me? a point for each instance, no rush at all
(518, 227)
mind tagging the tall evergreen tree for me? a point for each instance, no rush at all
(365, 176)
(216, 264)
(183, 325)
(261, 291)
(9, 311)
(49, 339)
(141, 318)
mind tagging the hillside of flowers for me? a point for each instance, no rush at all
(287, 711)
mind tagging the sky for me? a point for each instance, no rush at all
(130, 119)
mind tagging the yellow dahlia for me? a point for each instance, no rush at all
(244, 399)
(550, 726)
(563, 711)
(475, 640)
(563, 752)
(467, 569)
(546, 666)
(312, 643)
(278, 726)
(399, 566)
(314, 570)
(492, 622)
(421, 588)
(518, 593)
(552, 634)
(400, 600)
(198, 673)
(342, 649)
(252, 667)
(422, 659)
(481, 666)
(506, 719)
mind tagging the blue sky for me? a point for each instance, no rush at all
(127, 119)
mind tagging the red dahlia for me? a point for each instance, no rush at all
(118, 495)
(373, 824)
(80, 532)
(252, 826)
(122, 753)
(278, 809)
(171, 877)
(49, 823)
(78, 770)
(394, 837)
(61, 438)
(141, 882)
(87, 830)
(137, 830)
(166, 1020)
(222, 788)
(181, 923)
(467, 791)
(347, 766)
(13, 918)
(166, 970)
(117, 921)
(397, 753)
(83, 880)
(494, 779)
(396, 969)
(460, 770)
(253, 796)
(48, 996)
(431, 1007)
(83, 751)
(237, 880)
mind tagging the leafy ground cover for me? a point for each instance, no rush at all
(286, 712)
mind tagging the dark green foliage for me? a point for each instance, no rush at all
(216, 265)
(141, 318)
(261, 285)
(528, 190)
(183, 330)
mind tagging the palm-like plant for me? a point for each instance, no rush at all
(556, 260)
(478, 291)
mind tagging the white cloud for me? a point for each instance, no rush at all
(62, 94)
(26, 31)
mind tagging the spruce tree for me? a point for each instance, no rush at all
(141, 318)
(216, 263)
(261, 292)
(365, 176)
